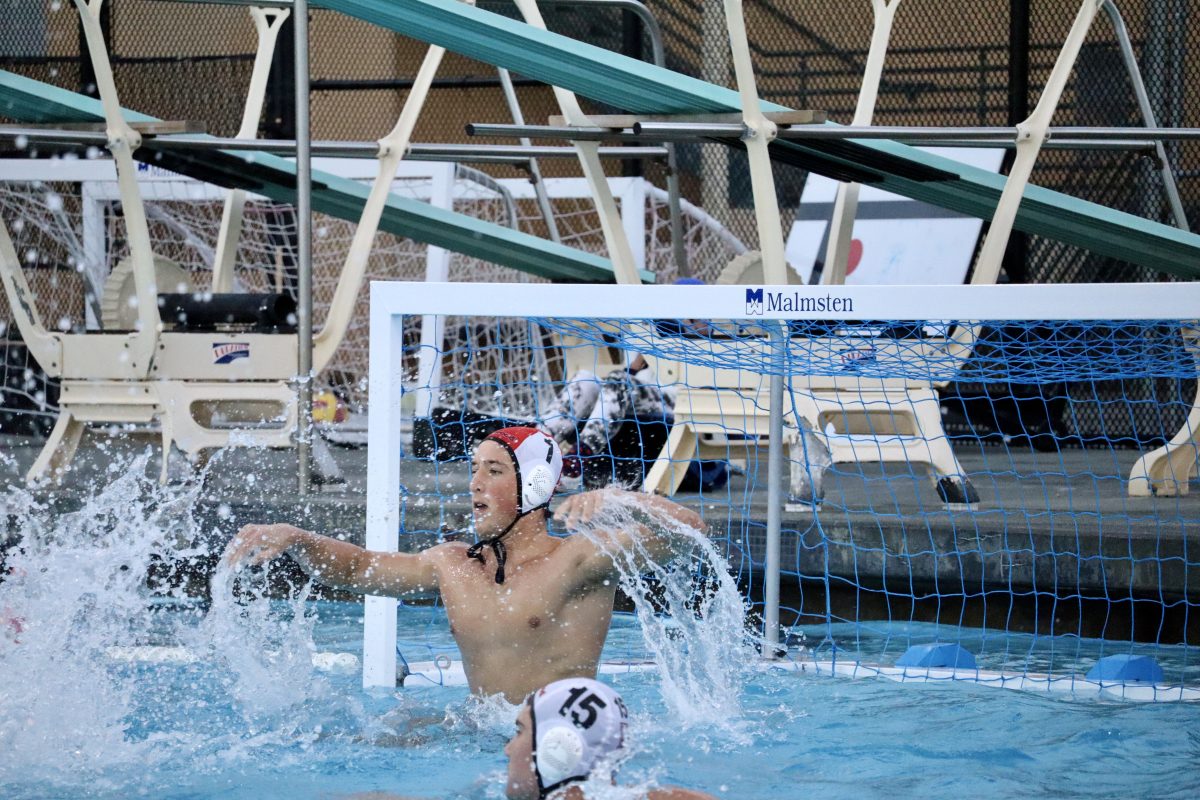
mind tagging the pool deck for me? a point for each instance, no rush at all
(1055, 524)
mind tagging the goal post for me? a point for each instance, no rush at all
(858, 370)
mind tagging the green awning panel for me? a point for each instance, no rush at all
(27, 100)
(641, 88)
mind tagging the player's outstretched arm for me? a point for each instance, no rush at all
(656, 532)
(335, 563)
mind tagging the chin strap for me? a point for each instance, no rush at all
(475, 551)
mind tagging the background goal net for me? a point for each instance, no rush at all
(65, 220)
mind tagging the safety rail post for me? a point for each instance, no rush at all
(123, 140)
(267, 22)
(845, 204)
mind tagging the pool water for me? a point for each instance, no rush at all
(190, 731)
(240, 712)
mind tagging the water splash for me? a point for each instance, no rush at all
(84, 588)
(265, 647)
(696, 637)
(74, 588)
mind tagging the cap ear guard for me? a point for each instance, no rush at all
(575, 723)
(539, 483)
(557, 754)
(537, 462)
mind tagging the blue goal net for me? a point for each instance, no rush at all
(1009, 495)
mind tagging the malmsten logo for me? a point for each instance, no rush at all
(759, 301)
(754, 301)
(226, 352)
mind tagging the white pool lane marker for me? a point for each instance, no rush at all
(157, 654)
(445, 672)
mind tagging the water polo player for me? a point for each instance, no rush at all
(526, 608)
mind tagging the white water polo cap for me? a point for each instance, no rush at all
(538, 464)
(576, 723)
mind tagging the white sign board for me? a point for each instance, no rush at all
(896, 240)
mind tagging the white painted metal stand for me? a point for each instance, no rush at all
(267, 22)
(170, 378)
(845, 205)
(619, 251)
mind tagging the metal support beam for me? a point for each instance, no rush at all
(304, 370)
(48, 141)
(845, 204)
(692, 131)
(775, 478)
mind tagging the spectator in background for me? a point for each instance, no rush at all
(609, 428)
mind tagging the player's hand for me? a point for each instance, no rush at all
(257, 544)
(579, 509)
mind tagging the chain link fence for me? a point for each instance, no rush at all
(948, 65)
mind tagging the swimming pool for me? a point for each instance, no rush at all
(212, 729)
(231, 705)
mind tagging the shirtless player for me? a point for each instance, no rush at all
(525, 608)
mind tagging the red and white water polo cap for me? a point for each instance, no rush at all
(538, 464)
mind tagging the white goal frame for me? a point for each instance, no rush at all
(391, 301)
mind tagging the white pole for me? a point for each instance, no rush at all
(758, 136)
(1030, 135)
(383, 482)
(391, 152)
(845, 205)
(619, 251)
(267, 22)
(304, 371)
(122, 142)
(774, 499)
